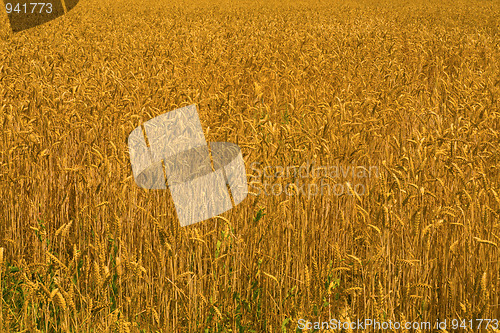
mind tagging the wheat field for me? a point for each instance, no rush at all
(409, 89)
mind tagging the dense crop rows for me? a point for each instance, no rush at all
(410, 89)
